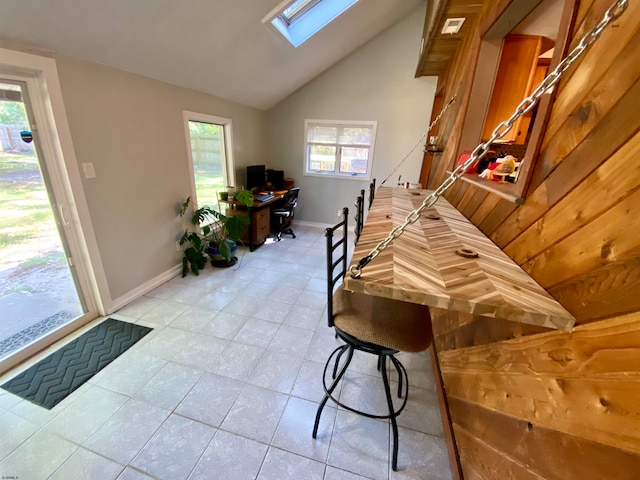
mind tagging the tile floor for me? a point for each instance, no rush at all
(226, 387)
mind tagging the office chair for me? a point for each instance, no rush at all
(283, 216)
(372, 192)
(359, 216)
(371, 324)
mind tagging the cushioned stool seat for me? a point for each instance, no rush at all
(391, 324)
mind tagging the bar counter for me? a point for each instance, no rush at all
(422, 265)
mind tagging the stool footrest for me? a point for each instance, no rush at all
(337, 376)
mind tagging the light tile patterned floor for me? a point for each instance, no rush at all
(226, 387)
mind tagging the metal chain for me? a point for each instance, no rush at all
(436, 120)
(500, 131)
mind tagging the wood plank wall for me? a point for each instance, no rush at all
(528, 403)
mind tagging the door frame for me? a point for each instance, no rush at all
(49, 115)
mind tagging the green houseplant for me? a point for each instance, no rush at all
(211, 231)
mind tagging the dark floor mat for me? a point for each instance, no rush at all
(50, 380)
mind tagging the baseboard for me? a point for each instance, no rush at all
(118, 303)
(146, 287)
(311, 224)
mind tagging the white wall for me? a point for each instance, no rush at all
(374, 83)
(131, 129)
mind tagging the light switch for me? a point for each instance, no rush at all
(89, 171)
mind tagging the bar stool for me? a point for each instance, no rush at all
(359, 216)
(372, 192)
(371, 324)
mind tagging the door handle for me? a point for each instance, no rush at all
(63, 217)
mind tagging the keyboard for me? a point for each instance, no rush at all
(264, 198)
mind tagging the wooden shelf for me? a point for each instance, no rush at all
(508, 191)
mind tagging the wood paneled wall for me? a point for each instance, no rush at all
(529, 403)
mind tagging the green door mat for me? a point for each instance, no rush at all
(49, 381)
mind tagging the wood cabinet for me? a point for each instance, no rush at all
(260, 224)
(520, 70)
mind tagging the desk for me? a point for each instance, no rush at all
(422, 267)
(259, 218)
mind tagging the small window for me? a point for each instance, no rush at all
(209, 142)
(516, 52)
(342, 149)
(300, 20)
(296, 9)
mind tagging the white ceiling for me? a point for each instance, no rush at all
(218, 47)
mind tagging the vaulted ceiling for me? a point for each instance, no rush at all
(218, 47)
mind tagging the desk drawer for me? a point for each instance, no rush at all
(263, 232)
(260, 224)
(262, 214)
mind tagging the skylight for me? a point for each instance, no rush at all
(298, 21)
(296, 9)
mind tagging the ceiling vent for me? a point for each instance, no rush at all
(452, 25)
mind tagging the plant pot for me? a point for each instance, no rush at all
(217, 260)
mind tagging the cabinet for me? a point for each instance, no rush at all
(520, 70)
(260, 224)
(259, 219)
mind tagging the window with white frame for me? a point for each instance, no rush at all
(209, 147)
(342, 149)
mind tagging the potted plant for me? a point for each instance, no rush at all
(213, 233)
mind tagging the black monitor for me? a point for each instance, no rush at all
(276, 179)
(256, 175)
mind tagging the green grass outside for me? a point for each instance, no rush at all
(55, 257)
(207, 187)
(25, 212)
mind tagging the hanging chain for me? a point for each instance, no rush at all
(500, 131)
(436, 120)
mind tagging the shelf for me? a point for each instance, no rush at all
(508, 191)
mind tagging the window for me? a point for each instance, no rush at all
(298, 21)
(208, 144)
(339, 148)
(525, 42)
(296, 9)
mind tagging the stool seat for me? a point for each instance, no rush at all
(392, 324)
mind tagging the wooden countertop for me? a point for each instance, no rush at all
(421, 266)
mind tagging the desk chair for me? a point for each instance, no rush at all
(375, 325)
(372, 192)
(283, 216)
(359, 216)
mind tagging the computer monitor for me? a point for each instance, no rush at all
(276, 178)
(256, 176)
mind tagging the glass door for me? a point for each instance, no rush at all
(38, 284)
